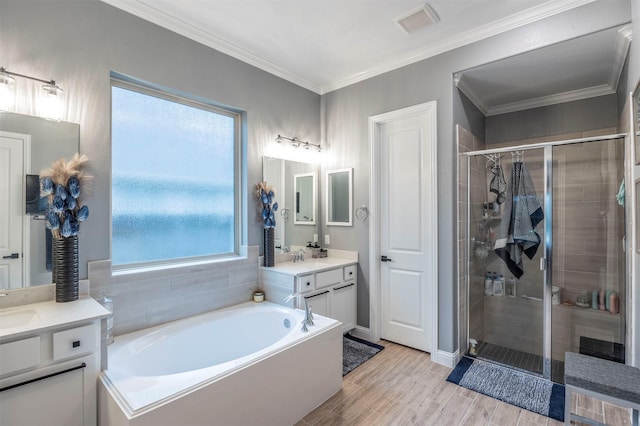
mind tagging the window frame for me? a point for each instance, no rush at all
(166, 94)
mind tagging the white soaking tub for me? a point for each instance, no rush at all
(245, 365)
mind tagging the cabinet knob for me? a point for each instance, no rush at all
(75, 344)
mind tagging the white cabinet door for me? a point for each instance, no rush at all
(319, 303)
(55, 400)
(343, 305)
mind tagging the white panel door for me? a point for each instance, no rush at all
(12, 212)
(407, 235)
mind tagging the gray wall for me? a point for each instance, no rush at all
(80, 42)
(348, 109)
(561, 119)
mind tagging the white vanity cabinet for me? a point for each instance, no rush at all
(49, 370)
(328, 287)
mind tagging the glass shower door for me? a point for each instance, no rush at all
(507, 285)
(588, 271)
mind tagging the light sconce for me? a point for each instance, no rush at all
(50, 105)
(297, 143)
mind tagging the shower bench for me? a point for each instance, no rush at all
(602, 379)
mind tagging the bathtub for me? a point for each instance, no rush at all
(245, 365)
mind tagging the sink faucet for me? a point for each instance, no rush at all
(308, 315)
(299, 256)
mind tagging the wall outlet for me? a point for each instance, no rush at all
(315, 238)
(327, 239)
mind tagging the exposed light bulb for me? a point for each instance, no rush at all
(50, 102)
(7, 92)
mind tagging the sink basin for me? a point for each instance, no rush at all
(18, 318)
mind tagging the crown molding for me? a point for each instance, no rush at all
(621, 49)
(623, 40)
(500, 26)
(149, 13)
(461, 84)
(559, 98)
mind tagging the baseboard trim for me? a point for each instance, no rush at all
(447, 359)
(361, 333)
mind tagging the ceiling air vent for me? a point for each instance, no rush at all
(417, 19)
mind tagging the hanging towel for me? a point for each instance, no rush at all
(620, 195)
(522, 212)
(498, 185)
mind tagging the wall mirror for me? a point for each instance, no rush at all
(304, 189)
(280, 174)
(37, 142)
(339, 200)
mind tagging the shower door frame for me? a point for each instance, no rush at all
(546, 261)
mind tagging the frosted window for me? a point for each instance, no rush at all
(173, 175)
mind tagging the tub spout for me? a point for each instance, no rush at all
(308, 315)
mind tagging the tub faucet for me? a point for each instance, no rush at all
(308, 315)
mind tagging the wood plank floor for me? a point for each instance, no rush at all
(402, 386)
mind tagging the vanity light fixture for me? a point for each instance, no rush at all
(297, 143)
(7, 91)
(51, 95)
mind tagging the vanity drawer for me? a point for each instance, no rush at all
(74, 342)
(19, 355)
(327, 278)
(349, 272)
(305, 283)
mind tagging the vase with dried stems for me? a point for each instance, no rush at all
(266, 195)
(63, 184)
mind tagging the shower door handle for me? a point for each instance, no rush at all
(543, 264)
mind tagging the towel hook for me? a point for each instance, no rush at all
(362, 213)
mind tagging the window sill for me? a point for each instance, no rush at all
(175, 268)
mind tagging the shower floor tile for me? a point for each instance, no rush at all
(520, 360)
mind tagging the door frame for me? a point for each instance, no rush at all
(428, 110)
(26, 224)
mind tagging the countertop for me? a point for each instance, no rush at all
(310, 265)
(34, 317)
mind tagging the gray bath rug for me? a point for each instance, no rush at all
(356, 351)
(513, 387)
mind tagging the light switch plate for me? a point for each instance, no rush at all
(327, 239)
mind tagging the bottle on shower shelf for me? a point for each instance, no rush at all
(498, 286)
(488, 285)
(511, 287)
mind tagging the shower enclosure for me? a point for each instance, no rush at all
(567, 292)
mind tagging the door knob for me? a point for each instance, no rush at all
(385, 259)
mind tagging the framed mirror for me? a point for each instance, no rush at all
(37, 142)
(304, 191)
(339, 200)
(635, 124)
(279, 173)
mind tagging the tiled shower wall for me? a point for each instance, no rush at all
(145, 299)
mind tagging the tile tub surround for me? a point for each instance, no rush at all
(143, 299)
